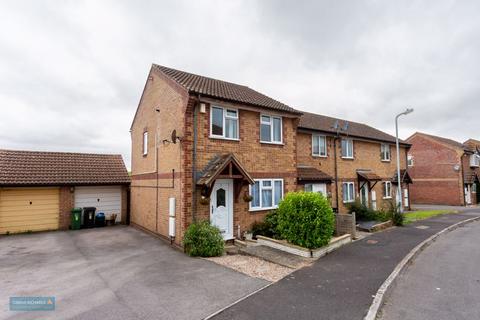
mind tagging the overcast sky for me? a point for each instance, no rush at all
(72, 72)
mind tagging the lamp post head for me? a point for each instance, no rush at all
(409, 110)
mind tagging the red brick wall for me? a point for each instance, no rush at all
(66, 205)
(435, 180)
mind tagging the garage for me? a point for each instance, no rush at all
(29, 209)
(107, 199)
(39, 189)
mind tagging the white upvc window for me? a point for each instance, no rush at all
(385, 152)
(387, 190)
(474, 160)
(223, 123)
(266, 194)
(316, 187)
(271, 129)
(348, 190)
(319, 145)
(410, 160)
(145, 143)
(347, 148)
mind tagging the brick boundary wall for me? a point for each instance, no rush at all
(345, 223)
(66, 205)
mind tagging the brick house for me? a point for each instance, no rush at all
(39, 189)
(352, 161)
(209, 149)
(444, 171)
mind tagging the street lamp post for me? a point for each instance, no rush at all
(399, 185)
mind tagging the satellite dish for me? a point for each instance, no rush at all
(335, 125)
(174, 136)
(345, 126)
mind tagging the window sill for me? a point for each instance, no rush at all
(319, 156)
(222, 138)
(386, 160)
(274, 143)
(262, 209)
(349, 201)
(386, 198)
(348, 158)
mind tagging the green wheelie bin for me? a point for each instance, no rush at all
(76, 218)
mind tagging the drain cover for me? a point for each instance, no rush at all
(422, 227)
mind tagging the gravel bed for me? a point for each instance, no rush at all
(253, 266)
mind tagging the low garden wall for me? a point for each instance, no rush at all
(345, 224)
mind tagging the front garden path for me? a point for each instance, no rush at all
(342, 284)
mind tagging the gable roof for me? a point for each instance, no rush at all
(215, 167)
(318, 122)
(214, 88)
(471, 145)
(60, 168)
(442, 140)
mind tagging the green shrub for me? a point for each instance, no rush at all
(268, 227)
(203, 240)
(397, 217)
(305, 219)
(363, 213)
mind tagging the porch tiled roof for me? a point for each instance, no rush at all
(215, 167)
(312, 174)
(368, 175)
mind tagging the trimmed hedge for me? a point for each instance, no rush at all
(268, 227)
(306, 219)
(203, 240)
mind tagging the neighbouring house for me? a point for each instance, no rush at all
(443, 170)
(208, 149)
(348, 160)
(39, 189)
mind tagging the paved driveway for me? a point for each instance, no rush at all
(113, 273)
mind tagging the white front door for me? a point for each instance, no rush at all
(468, 195)
(221, 207)
(364, 195)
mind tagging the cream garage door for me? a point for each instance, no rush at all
(106, 199)
(29, 209)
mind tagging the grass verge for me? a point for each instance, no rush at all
(425, 214)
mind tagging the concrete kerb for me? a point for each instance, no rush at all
(390, 281)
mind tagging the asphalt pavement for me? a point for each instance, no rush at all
(342, 284)
(442, 283)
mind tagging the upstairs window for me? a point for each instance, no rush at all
(410, 160)
(270, 129)
(474, 160)
(347, 148)
(266, 194)
(387, 190)
(224, 123)
(385, 152)
(145, 143)
(319, 145)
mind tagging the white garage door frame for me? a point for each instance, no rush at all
(107, 199)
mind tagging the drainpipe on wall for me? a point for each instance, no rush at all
(463, 180)
(336, 171)
(194, 161)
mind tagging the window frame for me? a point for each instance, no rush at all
(271, 128)
(145, 143)
(383, 152)
(224, 118)
(385, 195)
(348, 183)
(410, 160)
(261, 187)
(320, 155)
(341, 146)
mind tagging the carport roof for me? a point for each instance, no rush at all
(27, 168)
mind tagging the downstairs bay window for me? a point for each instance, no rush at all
(266, 194)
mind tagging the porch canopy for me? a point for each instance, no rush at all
(367, 177)
(224, 166)
(307, 174)
(405, 177)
